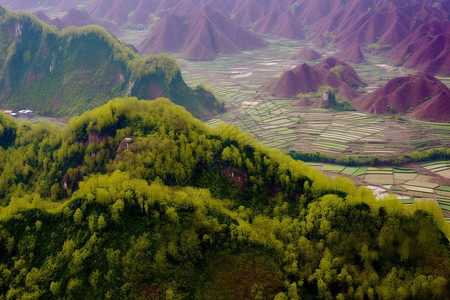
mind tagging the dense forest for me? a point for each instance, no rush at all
(66, 72)
(139, 200)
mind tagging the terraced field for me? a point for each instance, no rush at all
(408, 184)
(242, 81)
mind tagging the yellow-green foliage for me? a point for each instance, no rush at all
(160, 205)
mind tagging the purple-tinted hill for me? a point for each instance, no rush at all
(306, 78)
(200, 36)
(426, 49)
(424, 96)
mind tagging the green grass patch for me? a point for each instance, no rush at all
(445, 207)
(443, 188)
(331, 146)
(418, 189)
(360, 171)
(405, 171)
(434, 163)
(349, 170)
(397, 188)
(407, 201)
(333, 168)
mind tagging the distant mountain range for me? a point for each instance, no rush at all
(78, 18)
(65, 72)
(200, 36)
(228, 26)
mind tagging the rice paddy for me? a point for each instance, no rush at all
(407, 184)
(441, 168)
(241, 81)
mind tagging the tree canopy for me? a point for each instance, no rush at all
(137, 199)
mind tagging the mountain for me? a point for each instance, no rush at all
(139, 200)
(62, 5)
(368, 22)
(133, 12)
(200, 36)
(114, 10)
(77, 18)
(280, 25)
(426, 49)
(308, 54)
(424, 96)
(306, 79)
(62, 73)
(351, 54)
(311, 12)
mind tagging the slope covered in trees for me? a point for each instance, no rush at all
(137, 199)
(70, 71)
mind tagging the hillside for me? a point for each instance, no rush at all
(199, 36)
(62, 73)
(306, 79)
(351, 54)
(424, 96)
(76, 18)
(374, 22)
(135, 12)
(137, 199)
(426, 49)
(280, 25)
(63, 5)
(308, 54)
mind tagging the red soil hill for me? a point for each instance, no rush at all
(247, 12)
(141, 13)
(200, 36)
(280, 25)
(351, 54)
(427, 49)
(305, 79)
(423, 95)
(308, 54)
(365, 22)
(311, 12)
(114, 10)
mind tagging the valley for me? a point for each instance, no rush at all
(251, 149)
(283, 124)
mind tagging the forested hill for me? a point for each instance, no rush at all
(66, 72)
(139, 200)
